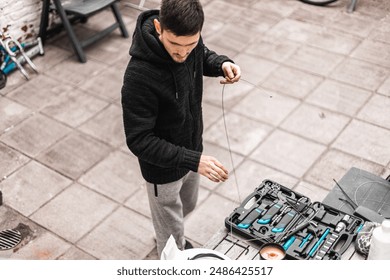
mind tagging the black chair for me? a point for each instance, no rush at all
(80, 11)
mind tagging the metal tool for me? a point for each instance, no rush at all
(7, 42)
(287, 218)
(359, 210)
(274, 209)
(319, 242)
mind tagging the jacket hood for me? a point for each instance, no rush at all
(146, 44)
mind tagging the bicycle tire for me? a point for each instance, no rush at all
(318, 2)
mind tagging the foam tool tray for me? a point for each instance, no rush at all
(306, 230)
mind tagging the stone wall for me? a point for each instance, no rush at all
(20, 18)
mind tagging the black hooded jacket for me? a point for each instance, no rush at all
(161, 101)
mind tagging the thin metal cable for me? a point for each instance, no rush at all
(228, 142)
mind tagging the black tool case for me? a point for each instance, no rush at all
(306, 230)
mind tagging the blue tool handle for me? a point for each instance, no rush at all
(289, 243)
(269, 214)
(305, 240)
(252, 216)
(318, 243)
(284, 222)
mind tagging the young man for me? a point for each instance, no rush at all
(162, 111)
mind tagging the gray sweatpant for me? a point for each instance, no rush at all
(169, 204)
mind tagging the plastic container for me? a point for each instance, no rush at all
(380, 242)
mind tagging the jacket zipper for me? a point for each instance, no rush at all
(192, 78)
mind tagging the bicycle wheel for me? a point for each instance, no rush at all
(318, 2)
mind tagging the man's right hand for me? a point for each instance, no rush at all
(211, 168)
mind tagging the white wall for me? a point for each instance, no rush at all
(20, 17)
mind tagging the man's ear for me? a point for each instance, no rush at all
(157, 25)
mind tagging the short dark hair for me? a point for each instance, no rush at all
(181, 17)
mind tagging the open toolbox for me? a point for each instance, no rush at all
(305, 230)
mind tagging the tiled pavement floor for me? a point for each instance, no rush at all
(66, 173)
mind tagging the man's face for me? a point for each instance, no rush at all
(178, 47)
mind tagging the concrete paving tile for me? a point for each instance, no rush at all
(385, 87)
(294, 30)
(150, 4)
(40, 92)
(292, 82)
(46, 247)
(253, 68)
(75, 72)
(75, 254)
(382, 31)
(113, 49)
(269, 110)
(314, 14)
(74, 212)
(386, 173)
(53, 56)
(232, 94)
(74, 107)
(377, 9)
(212, 10)
(278, 7)
(117, 176)
(153, 255)
(14, 80)
(334, 41)
(221, 50)
(334, 164)
(210, 27)
(315, 123)
(123, 235)
(35, 135)
(11, 219)
(360, 73)
(355, 23)
(107, 126)
(10, 161)
(231, 36)
(11, 113)
(377, 111)
(275, 49)
(374, 52)
(365, 140)
(244, 134)
(250, 174)
(32, 186)
(223, 156)
(311, 191)
(107, 85)
(139, 202)
(247, 4)
(339, 97)
(248, 19)
(314, 60)
(208, 218)
(74, 155)
(287, 152)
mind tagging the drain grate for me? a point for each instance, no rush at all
(9, 239)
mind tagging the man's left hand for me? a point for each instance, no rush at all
(232, 73)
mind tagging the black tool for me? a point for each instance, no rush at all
(361, 211)
(269, 214)
(287, 218)
(306, 222)
(252, 216)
